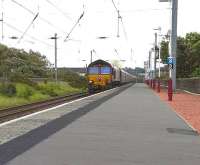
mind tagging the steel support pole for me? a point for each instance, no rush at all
(2, 35)
(155, 54)
(56, 71)
(173, 43)
(118, 17)
(91, 56)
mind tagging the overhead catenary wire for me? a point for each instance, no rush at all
(34, 38)
(59, 10)
(124, 30)
(33, 13)
(116, 51)
(74, 26)
(28, 27)
(114, 5)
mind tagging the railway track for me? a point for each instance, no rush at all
(23, 110)
(19, 111)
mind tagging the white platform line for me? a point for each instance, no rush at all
(181, 117)
(184, 91)
(187, 122)
(49, 109)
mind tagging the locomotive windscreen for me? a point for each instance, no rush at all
(93, 70)
(105, 70)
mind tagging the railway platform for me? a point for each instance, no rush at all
(129, 126)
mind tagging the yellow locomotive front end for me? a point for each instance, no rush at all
(99, 75)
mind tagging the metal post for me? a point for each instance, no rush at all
(91, 56)
(56, 71)
(86, 69)
(173, 42)
(155, 54)
(150, 69)
(118, 17)
(2, 36)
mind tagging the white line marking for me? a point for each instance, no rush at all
(184, 91)
(181, 117)
(36, 113)
(191, 93)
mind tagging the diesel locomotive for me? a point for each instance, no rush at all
(102, 75)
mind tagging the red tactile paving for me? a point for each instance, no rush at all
(186, 105)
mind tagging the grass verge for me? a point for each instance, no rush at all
(25, 94)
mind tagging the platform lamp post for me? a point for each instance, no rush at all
(173, 45)
(157, 53)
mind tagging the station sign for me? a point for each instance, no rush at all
(170, 60)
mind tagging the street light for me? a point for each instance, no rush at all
(157, 49)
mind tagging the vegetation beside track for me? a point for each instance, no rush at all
(15, 94)
(27, 77)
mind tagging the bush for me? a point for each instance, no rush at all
(24, 90)
(8, 89)
(20, 78)
(54, 89)
(196, 73)
(49, 89)
(37, 96)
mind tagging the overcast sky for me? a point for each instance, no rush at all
(139, 17)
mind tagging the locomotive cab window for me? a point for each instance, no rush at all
(93, 70)
(105, 70)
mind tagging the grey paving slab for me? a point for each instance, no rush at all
(133, 127)
(18, 128)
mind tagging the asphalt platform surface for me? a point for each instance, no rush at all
(130, 127)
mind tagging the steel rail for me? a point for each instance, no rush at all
(22, 110)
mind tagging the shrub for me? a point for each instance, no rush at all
(20, 78)
(196, 73)
(54, 89)
(37, 96)
(24, 90)
(8, 89)
(49, 89)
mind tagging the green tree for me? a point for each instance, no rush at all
(188, 54)
(164, 51)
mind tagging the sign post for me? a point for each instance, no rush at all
(170, 62)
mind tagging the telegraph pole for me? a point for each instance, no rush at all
(56, 71)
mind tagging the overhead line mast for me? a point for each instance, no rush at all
(119, 18)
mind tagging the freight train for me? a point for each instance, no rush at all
(102, 75)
